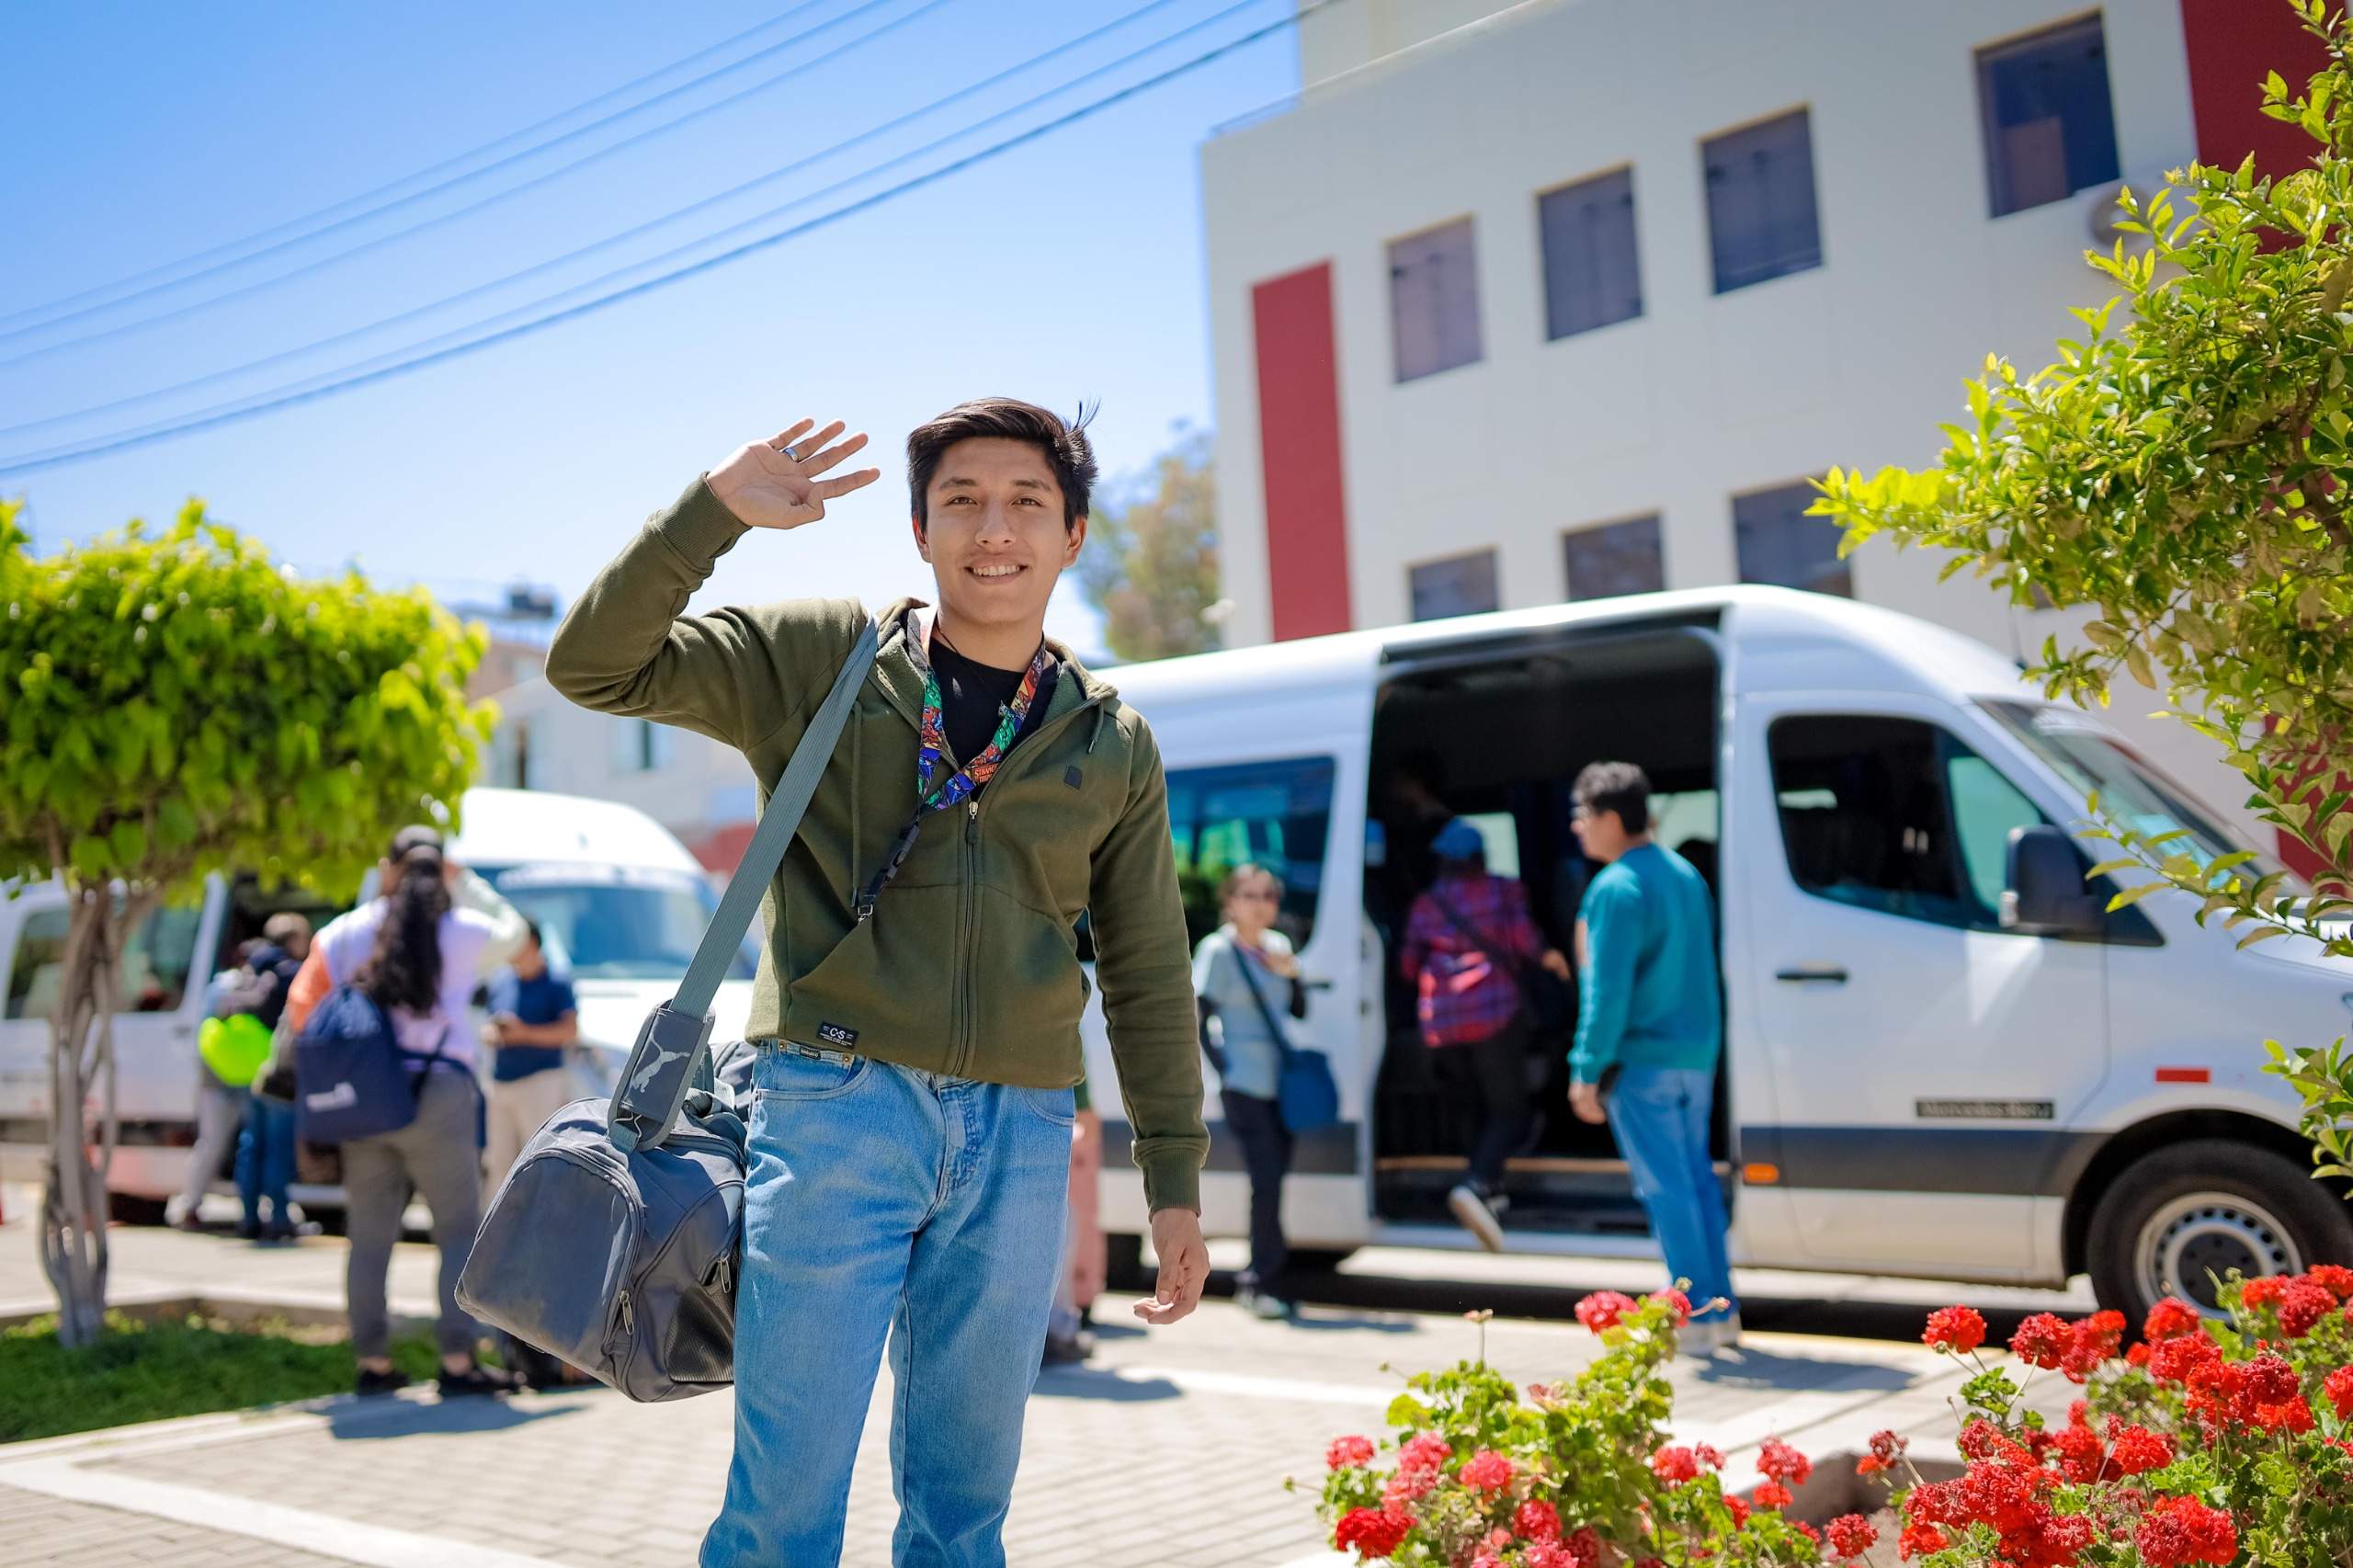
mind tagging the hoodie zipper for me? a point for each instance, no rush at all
(968, 929)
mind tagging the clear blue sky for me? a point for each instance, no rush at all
(1070, 267)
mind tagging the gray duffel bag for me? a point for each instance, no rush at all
(613, 1241)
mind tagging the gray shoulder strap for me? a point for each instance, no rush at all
(787, 803)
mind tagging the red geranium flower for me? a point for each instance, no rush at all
(1372, 1532)
(1851, 1535)
(2182, 1531)
(1582, 1551)
(1486, 1469)
(1918, 1541)
(2334, 1277)
(1346, 1453)
(1958, 1329)
(1675, 1299)
(1707, 1455)
(1537, 1521)
(2139, 1355)
(1772, 1494)
(1602, 1310)
(2043, 1341)
(2271, 1379)
(1739, 1507)
(1779, 1461)
(2138, 1450)
(2170, 1319)
(2263, 1293)
(1674, 1466)
(1409, 1486)
(2339, 1387)
(1425, 1451)
(2303, 1305)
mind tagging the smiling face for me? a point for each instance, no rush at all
(996, 535)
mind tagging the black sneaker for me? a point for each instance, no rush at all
(371, 1382)
(477, 1380)
(249, 1229)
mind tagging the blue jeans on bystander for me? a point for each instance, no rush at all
(265, 1160)
(1660, 1116)
(886, 1202)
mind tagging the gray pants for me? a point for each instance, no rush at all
(220, 1111)
(437, 1152)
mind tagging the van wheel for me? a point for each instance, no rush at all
(2175, 1222)
(127, 1208)
(1123, 1263)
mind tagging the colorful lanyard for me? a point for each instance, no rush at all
(931, 749)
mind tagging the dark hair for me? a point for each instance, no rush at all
(533, 928)
(1249, 870)
(1618, 787)
(1064, 447)
(406, 969)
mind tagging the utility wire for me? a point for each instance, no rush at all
(771, 178)
(493, 199)
(54, 458)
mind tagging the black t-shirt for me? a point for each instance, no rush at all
(971, 696)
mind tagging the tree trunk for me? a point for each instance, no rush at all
(81, 1052)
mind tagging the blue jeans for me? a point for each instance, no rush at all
(1660, 1118)
(883, 1200)
(266, 1158)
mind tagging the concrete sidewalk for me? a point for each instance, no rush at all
(1170, 1448)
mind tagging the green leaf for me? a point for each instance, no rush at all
(2135, 894)
(2261, 934)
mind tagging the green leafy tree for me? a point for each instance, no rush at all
(1151, 567)
(2181, 471)
(175, 705)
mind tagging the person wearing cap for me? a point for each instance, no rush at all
(1470, 941)
(1651, 1025)
(434, 932)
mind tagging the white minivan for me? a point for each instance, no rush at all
(1944, 1059)
(620, 901)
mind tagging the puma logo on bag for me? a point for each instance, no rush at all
(646, 1075)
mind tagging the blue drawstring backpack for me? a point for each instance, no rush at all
(351, 1077)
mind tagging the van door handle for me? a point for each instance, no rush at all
(1827, 974)
(1316, 984)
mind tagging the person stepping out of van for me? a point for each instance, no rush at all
(1239, 972)
(917, 1007)
(1468, 941)
(1651, 1026)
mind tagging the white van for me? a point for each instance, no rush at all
(1943, 1058)
(619, 900)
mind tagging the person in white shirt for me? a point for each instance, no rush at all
(419, 950)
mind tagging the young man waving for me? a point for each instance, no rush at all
(917, 1006)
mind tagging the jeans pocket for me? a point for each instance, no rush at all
(1057, 1106)
(781, 1074)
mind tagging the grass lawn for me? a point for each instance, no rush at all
(149, 1371)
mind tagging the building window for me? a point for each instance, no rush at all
(1615, 558)
(1777, 543)
(2049, 131)
(1460, 585)
(1761, 215)
(640, 745)
(1590, 276)
(1434, 300)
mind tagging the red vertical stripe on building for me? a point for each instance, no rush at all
(1299, 452)
(2232, 44)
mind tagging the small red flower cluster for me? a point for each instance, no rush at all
(1346, 1453)
(2181, 1531)
(1779, 1461)
(2077, 1349)
(1851, 1535)
(1886, 1449)
(1602, 1310)
(1372, 1532)
(1958, 1329)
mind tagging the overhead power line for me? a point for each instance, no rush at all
(437, 219)
(554, 263)
(417, 361)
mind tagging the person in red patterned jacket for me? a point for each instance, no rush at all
(1468, 942)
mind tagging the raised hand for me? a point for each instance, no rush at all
(777, 483)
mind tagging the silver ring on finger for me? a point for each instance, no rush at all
(792, 452)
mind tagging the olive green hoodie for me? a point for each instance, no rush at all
(969, 965)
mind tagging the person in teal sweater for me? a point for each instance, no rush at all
(1651, 1026)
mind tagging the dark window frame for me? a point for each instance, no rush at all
(2094, 146)
(1552, 266)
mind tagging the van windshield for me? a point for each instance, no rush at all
(2129, 789)
(615, 923)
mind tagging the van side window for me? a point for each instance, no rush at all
(155, 962)
(1276, 814)
(1894, 814)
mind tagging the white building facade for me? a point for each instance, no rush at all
(1514, 304)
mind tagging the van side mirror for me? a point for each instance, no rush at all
(2046, 895)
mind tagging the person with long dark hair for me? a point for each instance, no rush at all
(434, 932)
